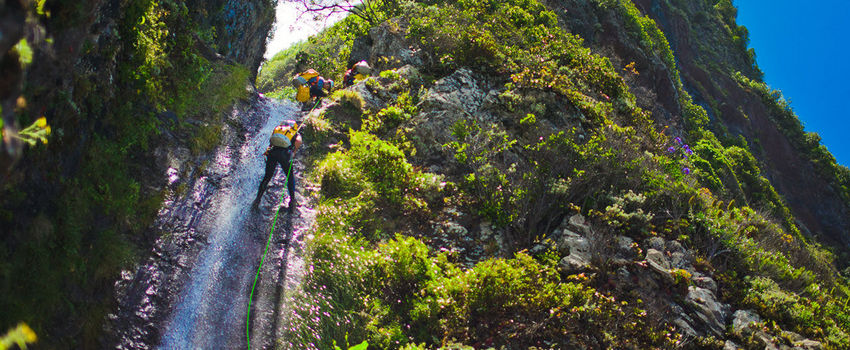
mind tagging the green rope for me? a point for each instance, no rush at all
(268, 241)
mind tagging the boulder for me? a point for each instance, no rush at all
(674, 247)
(658, 262)
(730, 345)
(371, 100)
(808, 344)
(411, 74)
(578, 222)
(577, 251)
(703, 281)
(656, 243)
(573, 264)
(625, 251)
(390, 49)
(573, 244)
(706, 309)
(679, 260)
(742, 321)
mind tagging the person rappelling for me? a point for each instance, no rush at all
(283, 143)
(310, 85)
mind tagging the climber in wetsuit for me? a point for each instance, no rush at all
(283, 144)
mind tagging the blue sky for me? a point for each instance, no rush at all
(803, 49)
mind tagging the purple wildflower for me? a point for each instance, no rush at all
(688, 151)
(671, 149)
(678, 140)
(686, 170)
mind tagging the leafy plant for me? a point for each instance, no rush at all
(20, 336)
(35, 133)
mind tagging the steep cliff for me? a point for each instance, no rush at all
(128, 89)
(718, 70)
(564, 174)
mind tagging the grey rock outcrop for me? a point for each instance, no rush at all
(659, 264)
(747, 324)
(578, 252)
(386, 47)
(743, 321)
(706, 308)
(456, 97)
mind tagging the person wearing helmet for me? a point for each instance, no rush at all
(310, 85)
(283, 143)
(358, 72)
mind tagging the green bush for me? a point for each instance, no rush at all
(383, 164)
(340, 177)
(814, 315)
(327, 53)
(276, 72)
(407, 296)
(349, 99)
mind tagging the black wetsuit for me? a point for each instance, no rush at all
(278, 155)
(318, 90)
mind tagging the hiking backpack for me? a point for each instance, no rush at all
(284, 135)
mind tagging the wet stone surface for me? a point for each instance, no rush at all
(192, 290)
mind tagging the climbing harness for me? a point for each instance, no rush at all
(274, 223)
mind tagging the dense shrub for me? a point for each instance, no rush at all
(410, 297)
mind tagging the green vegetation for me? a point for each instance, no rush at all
(24, 52)
(34, 134)
(20, 336)
(326, 53)
(740, 35)
(566, 137)
(406, 297)
(81, 222)
(379, 278)
(275, 73)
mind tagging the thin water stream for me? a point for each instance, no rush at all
(192, 293)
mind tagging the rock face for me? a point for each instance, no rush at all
(79, 76)
(459, 96)
(576, 250)
(242, 27)
(665, 276)
(386, 47)
(811, 198)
